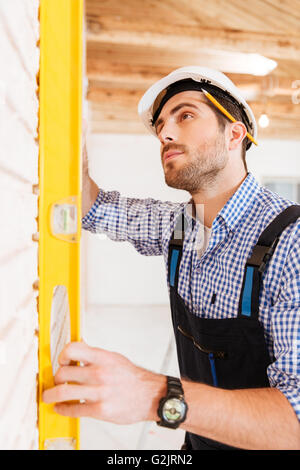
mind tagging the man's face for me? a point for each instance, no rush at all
(193, 149)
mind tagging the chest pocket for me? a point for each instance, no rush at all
(215, 289)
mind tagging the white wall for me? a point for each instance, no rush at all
(275, 158)
(116, 273)
(19, 59)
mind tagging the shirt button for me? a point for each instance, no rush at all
(197, 265)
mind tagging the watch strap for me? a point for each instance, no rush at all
(174, 387)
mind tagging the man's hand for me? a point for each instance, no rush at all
(114, 389)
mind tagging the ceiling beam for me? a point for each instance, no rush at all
(192, 38)
(226, 61)
(140, 80)
(101, 57)
(122, 75)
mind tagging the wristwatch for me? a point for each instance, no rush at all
(172, 408)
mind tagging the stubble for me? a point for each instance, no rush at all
(201, 168)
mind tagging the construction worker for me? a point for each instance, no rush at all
(232, 255)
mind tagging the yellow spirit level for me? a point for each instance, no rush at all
(59, 219)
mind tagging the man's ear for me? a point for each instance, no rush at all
(237, 132)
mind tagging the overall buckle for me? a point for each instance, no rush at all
(261, 255)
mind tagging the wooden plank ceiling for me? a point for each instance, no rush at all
(133, 43)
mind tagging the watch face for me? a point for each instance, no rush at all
(173, 410)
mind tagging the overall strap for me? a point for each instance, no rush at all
(175, 250)
(261, 254)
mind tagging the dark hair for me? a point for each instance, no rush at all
(223, 120)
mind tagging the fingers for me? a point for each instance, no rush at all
(79, 352)
(75, 411)
(68, 392)
(88, 375)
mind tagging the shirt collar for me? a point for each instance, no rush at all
(239, 202)
(235, 207)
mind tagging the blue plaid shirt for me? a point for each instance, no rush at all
(148, 224)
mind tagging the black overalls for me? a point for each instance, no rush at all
(227, 353)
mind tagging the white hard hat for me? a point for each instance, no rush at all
(149, 103)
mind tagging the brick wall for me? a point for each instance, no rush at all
(19, 59)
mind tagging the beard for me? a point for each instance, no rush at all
(202, 168)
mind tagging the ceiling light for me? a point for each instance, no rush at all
(235, 61)
(263, 121)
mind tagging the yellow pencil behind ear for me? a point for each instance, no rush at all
(225, 112)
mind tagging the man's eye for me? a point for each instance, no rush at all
(184, 115)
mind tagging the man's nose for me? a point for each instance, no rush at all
(168, 132)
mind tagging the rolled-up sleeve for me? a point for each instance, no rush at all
(141, 222)
(284, 372)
